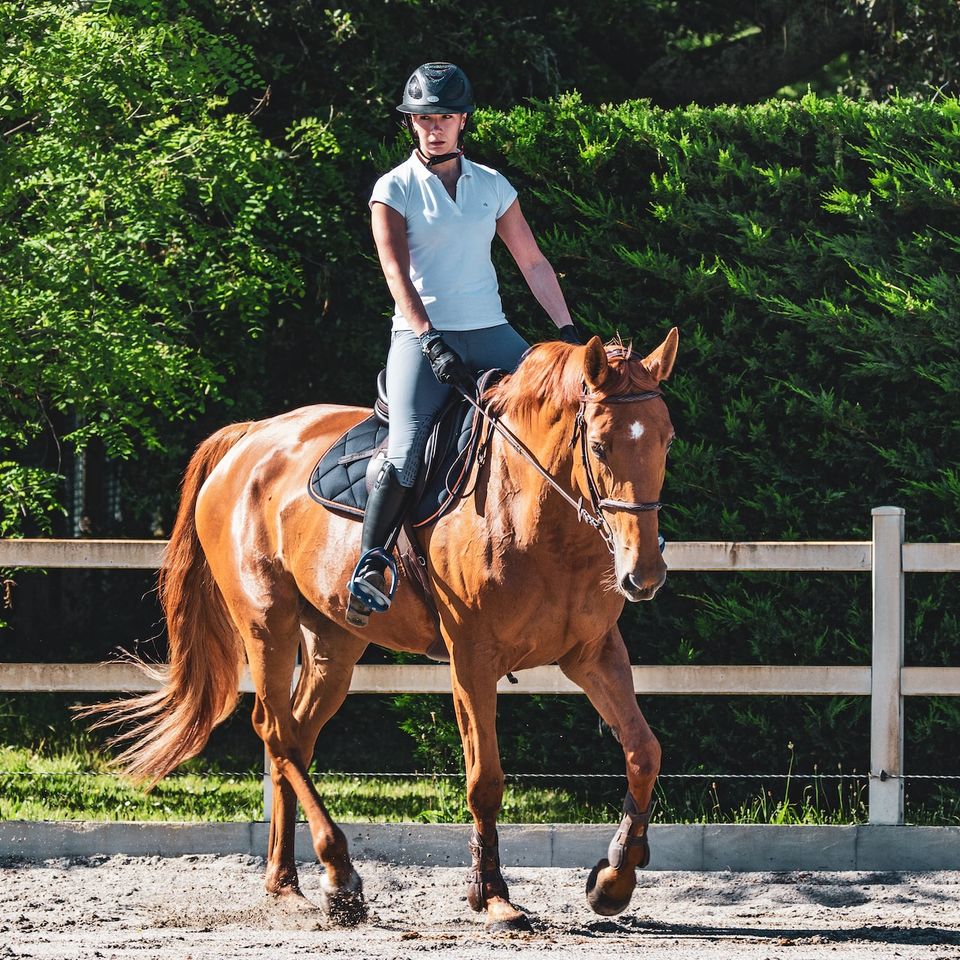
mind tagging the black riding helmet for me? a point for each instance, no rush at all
(437, 88)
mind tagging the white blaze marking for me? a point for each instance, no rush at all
(636, 430)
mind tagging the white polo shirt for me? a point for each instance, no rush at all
(449, 240)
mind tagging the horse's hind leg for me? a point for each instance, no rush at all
(603, 671)
(328, 655)
(271, 637)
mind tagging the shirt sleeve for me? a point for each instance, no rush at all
(389, 190)
(505, 195)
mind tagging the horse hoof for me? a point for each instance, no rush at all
(518, 924)
(290, 911)
(504, 917)
(344, 905)
(601, 902)
(284, 891)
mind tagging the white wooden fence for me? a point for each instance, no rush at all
(886, 681)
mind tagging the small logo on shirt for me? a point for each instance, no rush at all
(486, 204)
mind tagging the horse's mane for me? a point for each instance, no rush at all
(551, 375)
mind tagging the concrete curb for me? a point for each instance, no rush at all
(708, 847)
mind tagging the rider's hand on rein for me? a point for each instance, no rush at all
(445, 362)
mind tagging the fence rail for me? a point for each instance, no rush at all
(417, 678)
(886, 680)
(811, 556)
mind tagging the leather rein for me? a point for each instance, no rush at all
(596, 519)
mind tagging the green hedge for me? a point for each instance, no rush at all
(808, 252)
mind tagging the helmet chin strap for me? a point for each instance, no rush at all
(443, 158)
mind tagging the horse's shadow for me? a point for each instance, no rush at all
(873, 933)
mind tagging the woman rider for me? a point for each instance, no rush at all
(434, 217)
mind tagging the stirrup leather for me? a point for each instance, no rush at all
(365, 592)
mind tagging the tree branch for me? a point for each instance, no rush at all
(20, 126)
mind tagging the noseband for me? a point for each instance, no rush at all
(596, 519)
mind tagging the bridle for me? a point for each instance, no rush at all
(599, 520)
(596, 519)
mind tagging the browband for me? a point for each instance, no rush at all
(622, 398)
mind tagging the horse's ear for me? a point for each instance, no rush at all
(595, 364)
(660, 362)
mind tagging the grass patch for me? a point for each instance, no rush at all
(57, 771)
(76, 784)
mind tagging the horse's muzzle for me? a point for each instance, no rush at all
(637, 590)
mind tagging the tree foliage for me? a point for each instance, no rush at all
(356, 56)
(179, 177)
(145, 231)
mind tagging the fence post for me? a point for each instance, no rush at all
(267, 785)
(886, 696)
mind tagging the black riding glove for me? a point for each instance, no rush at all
(570, 334)
(447, 366)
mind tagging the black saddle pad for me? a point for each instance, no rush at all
(339, 480)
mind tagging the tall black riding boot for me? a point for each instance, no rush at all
(385, 507)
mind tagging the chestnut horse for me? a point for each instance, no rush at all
(256, 570)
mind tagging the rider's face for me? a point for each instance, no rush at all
(437, 133)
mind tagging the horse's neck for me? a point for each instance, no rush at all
(522, 499)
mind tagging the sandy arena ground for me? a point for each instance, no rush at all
(214, 907)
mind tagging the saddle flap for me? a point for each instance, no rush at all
(448, 457)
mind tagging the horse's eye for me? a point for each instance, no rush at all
(599, 450)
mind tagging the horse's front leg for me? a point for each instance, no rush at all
(603, 671)
(474, 683)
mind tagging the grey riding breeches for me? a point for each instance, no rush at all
(415, 395)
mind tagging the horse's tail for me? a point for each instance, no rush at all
(199, 687)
